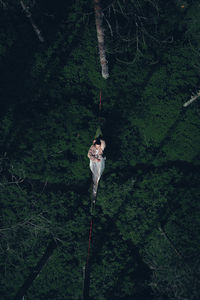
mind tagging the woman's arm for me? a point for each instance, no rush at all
(91, 154)
(103, 145)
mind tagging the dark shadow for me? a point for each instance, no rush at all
(169, 133)
(138, 275)
(141, 169)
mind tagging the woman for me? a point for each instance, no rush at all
(96, 150)
(97, 161)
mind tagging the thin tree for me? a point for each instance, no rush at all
(100, 38)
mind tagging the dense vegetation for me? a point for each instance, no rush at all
(147, 216)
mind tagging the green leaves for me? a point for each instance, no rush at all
(146, 221)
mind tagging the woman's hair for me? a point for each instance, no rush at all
(97, 142)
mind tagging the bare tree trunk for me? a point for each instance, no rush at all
(192, 99)
(100, 38)
(24, 288)
(35, 28)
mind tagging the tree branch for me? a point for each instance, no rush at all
(163, 233)
(192, 99)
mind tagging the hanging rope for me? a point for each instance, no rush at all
(89, 242)
(99, 107)
(86, 270)
(100, 101)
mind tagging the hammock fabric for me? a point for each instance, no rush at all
(97, 169)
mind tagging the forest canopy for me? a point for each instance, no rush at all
(146, 240)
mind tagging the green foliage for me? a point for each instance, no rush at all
(145, 205)
(118, 259)
(145, 242)
(184, 141)
(172, 251)
(192, 25)
(110, 197)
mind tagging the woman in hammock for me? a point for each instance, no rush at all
(97, 161)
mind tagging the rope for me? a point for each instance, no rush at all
(86, 272)
(89, 242)
(100, 101)
(99, 106)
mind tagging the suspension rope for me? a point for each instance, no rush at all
(99, 106)
(86, 273)
(89, 242)
(100, 101)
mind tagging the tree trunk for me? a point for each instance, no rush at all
(24, 288)
(100, 38)
(35, 28)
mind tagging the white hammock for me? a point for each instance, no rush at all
(97, 169)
